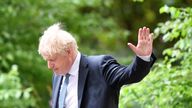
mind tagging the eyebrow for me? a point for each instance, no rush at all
(51, 58)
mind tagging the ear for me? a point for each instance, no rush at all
(68, 51)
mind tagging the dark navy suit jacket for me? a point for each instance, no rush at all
(101, 78)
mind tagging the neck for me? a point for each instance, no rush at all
(74, 56)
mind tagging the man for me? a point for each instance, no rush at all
(91, 81)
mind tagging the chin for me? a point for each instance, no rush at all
(58, 72)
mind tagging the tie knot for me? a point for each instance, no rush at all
(67, 75)
(67, 78)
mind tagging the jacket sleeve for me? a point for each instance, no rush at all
(118, 75)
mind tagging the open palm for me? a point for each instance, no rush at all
(145, 43)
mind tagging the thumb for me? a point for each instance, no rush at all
(132, 47)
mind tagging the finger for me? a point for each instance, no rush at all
(132, 47)
(147, 33)
(140, 37)
(144, 33)
(148, 30)
(151, 38)
(151, 42)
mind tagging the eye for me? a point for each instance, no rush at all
(53, 59)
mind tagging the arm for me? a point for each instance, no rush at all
(118, 75)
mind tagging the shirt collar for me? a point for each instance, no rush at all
(75, 67)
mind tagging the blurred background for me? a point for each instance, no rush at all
(100, 27)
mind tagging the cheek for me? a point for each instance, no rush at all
(63, 64)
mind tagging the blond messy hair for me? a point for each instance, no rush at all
(56, 41)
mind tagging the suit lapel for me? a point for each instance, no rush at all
(83, 71)
(56, 91)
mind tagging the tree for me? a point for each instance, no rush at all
(12, 93)
(169, 83)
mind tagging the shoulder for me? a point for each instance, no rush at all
(99, 60)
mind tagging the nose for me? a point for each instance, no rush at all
(50, 65)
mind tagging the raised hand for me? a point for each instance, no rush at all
(145, 43)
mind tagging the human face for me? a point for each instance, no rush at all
(59, 63)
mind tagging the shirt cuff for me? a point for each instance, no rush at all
(145, 58)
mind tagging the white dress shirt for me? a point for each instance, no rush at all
(72, 92)
(145, 58)
(72, 97)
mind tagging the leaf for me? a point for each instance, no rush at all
(164, 9)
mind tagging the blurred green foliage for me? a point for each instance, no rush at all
(12, 93)
(169, 84)
(100, 27)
